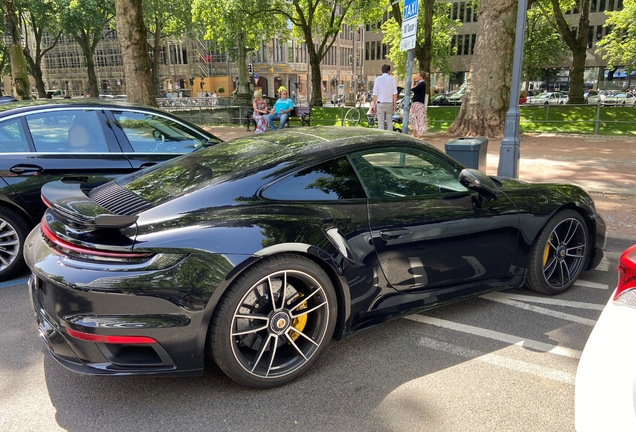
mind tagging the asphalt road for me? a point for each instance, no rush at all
(502, 362)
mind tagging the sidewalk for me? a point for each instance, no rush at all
(604, 166)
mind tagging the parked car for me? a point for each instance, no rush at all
(619, 99)
(604, 392)
(548, 98)
(592, 97)
(262, 249)
(457, 97)
(440, 99)
(83, 141)
(522, 99)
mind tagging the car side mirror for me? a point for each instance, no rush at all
(479, 182)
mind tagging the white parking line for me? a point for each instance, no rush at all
(603, 265)
(497, 360)
(587, 284)
(550, 301)
(491, 334)
(501, 298)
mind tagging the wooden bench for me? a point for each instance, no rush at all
(299, 114)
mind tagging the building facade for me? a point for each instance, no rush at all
(193, 67)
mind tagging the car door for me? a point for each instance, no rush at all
(148, 138)
(69, 144)
(429, 231)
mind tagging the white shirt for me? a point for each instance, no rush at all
(384, 88)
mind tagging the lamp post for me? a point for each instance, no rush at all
(509, 152)
(12, 40)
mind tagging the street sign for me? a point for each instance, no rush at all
(409, 25)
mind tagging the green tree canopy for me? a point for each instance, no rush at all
(87, 21)
(619, 45)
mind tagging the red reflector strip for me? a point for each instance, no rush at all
(86, 251)
(90, 337)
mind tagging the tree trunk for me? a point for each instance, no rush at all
(485, 103)
(423, 51)
(156, 58)
(36, 72)
(578, 47)
(315, 98)
(131, 32)
(19, 74)
(243, 93)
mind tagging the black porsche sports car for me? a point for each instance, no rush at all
(262, 249)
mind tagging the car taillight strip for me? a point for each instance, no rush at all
(90, 337)
(86, 251)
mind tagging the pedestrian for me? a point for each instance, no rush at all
(385, 98)
(260, 111)
(281, 111)
(417, 112)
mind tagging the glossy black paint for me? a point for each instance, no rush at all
(24, 173)
(386, 256)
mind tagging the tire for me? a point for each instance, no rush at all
(559, 254)
(13, 232)
(352, 117)
(260, 334)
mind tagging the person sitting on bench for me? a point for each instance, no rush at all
(281, 111)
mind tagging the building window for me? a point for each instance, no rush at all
(366, 50)
(462, 10)
(379, 50)
(384, 50)
(453, 44)
(473, 38)
(593, 5)
(372, 50)
(590, 37)
(455, 10)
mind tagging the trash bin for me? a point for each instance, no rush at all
(470, 152)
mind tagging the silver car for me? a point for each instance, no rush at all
(619, 99)
(548, 98)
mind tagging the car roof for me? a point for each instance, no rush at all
(40, 104)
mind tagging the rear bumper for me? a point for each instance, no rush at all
(94, 358)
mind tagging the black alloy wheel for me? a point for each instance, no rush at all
(13, 232)
(559, 255)
(274, 322)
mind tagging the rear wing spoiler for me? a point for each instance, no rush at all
(68, 201)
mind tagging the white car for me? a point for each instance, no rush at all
(619, 99)
(605, 393)
(549, 98)
(592, 97)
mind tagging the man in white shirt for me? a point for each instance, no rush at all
(385, 98)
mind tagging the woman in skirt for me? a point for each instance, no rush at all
(417, 113)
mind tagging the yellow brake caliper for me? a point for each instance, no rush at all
(300, 322)
(546, 252)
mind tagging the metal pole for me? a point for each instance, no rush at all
(407, 91)
(509, 152)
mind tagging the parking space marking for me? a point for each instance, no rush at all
(588, 284)
(549, 301)
(497, 360)
(496, 297)
(603, 265)
(491, 334)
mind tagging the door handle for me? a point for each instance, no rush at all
(26, 169)
(394, 234)
(146, 165)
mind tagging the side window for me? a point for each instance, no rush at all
(331, 180)
(152, 133)
(405, 173)
(12, 137)
(67, 131)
